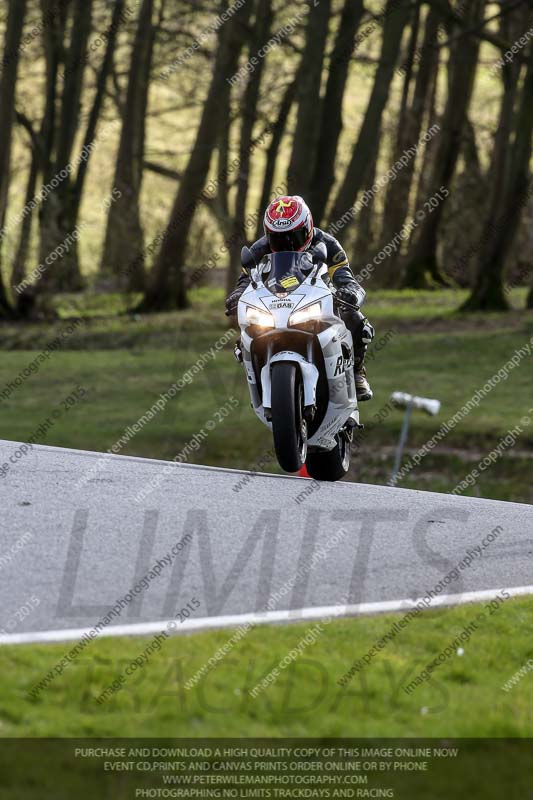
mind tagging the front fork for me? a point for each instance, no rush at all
(309, 378)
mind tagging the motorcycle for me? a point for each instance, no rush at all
(298, 358)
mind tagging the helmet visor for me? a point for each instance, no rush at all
(288, 240)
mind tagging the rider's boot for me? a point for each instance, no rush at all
(237, 351)
(362, 386)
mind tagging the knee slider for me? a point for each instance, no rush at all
(368, 331)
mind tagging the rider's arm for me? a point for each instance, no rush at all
(339, 269)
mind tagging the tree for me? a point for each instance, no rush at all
(54, 15)
(365, 149)
(509, 189)
(260, 35)
(305, 142)
(408, 132)
(365, 240)
(19, 261)
(273, 149)
(124, 238)
(168, 288)
(330, 117)
(8, 80)
(422, 269)
(57, 217)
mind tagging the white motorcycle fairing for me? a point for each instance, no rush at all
(321, 347)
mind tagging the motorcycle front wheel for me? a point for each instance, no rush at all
(288, 424)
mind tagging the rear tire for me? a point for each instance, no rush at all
(288, 425)
(330, 466)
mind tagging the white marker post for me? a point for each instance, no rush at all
(409, 401)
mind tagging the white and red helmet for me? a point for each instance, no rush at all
(288, 224)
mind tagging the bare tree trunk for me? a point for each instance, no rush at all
(168, 289)
(466, 212)
(273, 149)
(53, 40)
(57, 216)
(8, 82)
(422, 269)
(261, 29)
(331, 112)
(366, 233)
(509, 181)
(366, 147)
(99, 96)
(408, 134)
(124, 239)
(223, 144)
(305, 142)
(54, 14)
(432, 118)
(19, 263)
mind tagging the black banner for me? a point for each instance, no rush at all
(406, 769)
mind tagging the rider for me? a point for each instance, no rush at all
(288, 225)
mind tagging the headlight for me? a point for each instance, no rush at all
(314, 311)
(262, 318)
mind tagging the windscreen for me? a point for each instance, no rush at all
(285, 271)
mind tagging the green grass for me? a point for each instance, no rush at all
(305, 700)
(125, 362)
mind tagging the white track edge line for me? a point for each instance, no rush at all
(264, 618)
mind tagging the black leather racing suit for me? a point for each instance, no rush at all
(341, 276)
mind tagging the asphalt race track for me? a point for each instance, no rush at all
(77, 538)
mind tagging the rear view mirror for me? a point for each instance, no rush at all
(320, 253)
(248, 259)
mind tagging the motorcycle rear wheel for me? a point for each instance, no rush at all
(332, 465)
(289, 428)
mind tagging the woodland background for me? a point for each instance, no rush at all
(141, 142)
(193, 149)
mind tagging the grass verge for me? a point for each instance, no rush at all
(462, 698)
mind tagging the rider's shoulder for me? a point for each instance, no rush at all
(333, 246)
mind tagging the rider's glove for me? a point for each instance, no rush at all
(232, 301)
(347, 295)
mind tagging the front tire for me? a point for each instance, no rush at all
(288, 425)
(333, 465)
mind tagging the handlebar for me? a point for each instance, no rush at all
(351, 306)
